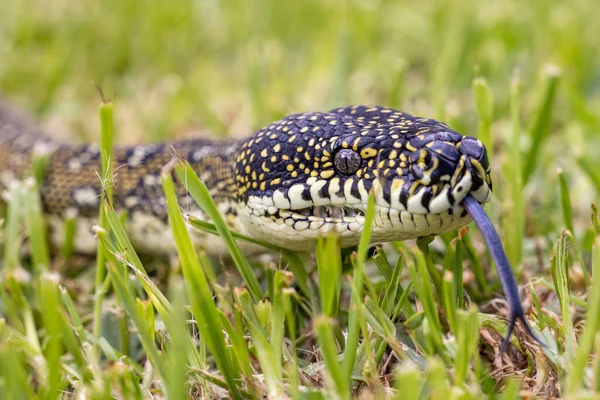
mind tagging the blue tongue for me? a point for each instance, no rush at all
(504, 271)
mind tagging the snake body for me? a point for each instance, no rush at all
(299, 178)
(293, 181)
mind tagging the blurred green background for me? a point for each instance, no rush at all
(229, 67)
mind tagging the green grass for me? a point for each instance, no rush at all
(407, 320)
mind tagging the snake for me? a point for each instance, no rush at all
(293, 181)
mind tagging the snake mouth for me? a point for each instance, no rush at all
(339, 207)
(328, 213)
(297, 229)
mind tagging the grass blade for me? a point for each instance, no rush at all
(354, 324)
(201, 195)
(329, 267)
(513, 224)
(199, 292)
(576, 377)
(484, 102)
(337, 381)
(129, 302)
(560, 276)
(541, 125)
(106, 140)
(177, 382)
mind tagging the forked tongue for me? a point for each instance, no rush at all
(504, 271)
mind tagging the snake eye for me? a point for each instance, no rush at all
(347, 161)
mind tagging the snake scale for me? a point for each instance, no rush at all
(299, 178)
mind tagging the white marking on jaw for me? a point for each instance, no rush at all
(363, 192)
(262, 200)
(395, 191)
(295, 195)
(390, 225)
(268, 201)
(285, 213)
(314, 193)
(379, 194)
(350, 199)
(440, 202)
(257, 208)
(280, 201)
(334, 188)
(483, 194)
(462, 187)
(415, 205)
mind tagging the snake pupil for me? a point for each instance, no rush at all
(347, 161)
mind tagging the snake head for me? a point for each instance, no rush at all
(309, 175)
